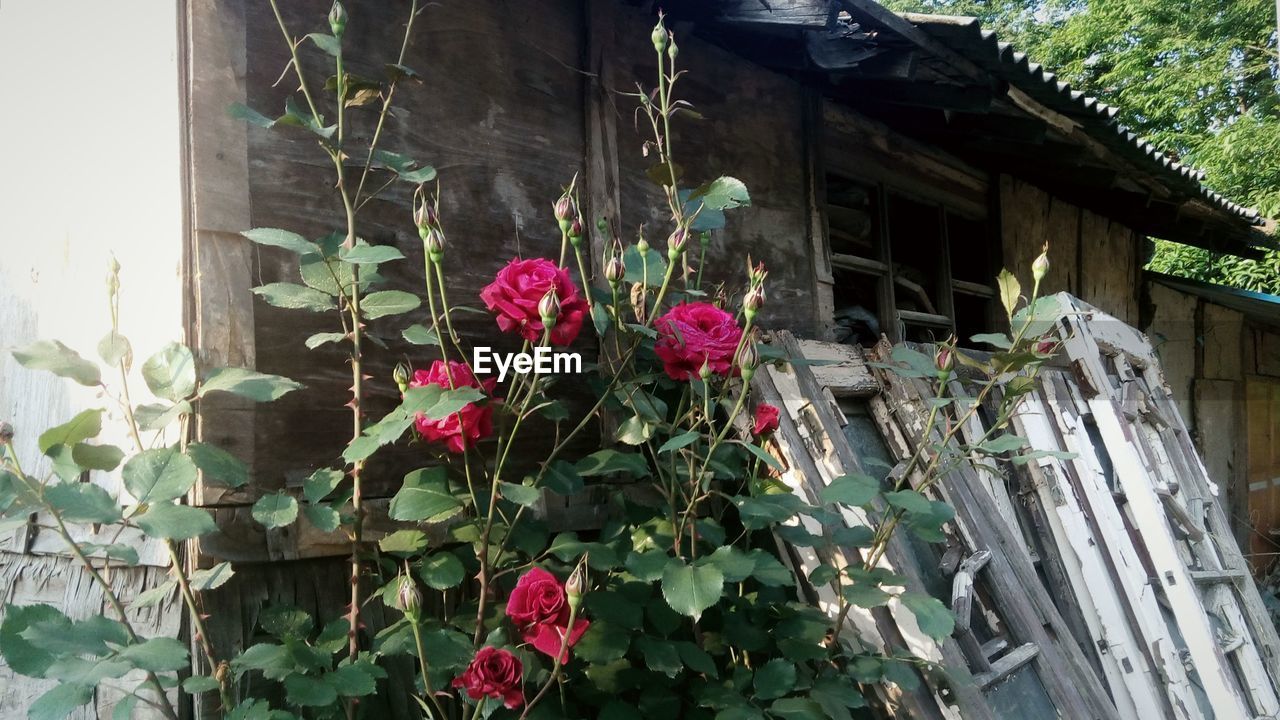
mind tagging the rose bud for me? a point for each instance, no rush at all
(434, 244)
(549, 309)
(575, 586)
(753, 301)
(676, 243)
(642, 245)
(659, 36)
(748, 359)
(945, 360)
(615, 270)
(6, 433)
(756, 274)
(672, 50)
(408, 599)
(704, 372)
(402, 376)
(765, 420)
(566, 212)
(575, 231)
(337, 19)
(1040, 267)
(424, 212)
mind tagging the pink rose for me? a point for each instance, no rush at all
(539, 608)
(515, 292)
(464, 428)
(693, 333)
(766, 420)
(494, 673)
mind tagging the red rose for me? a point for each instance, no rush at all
(464, 428)
(494, 673)
(539, 608)
(518, 288)
(693, 333)
(766, 420)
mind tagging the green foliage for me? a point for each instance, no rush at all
(1198, 80)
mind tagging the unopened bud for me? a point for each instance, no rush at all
(549, 309)
(672, 50)
(1040, 267)
(756, 273)
(753, 301)
(576, 586)
(425, 215)
(748, 358)
(704, 372)
(659, 36)
(676, 242)
(566, 212)
(408, 599)
(6, 433)
(433, 243)
(945, 360)
(615, 270)
(642, 246)
(401, 375)
(575, 231)
(337, 19)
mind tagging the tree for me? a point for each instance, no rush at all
(1197, 77)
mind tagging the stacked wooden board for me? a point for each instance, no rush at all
(1096, 578)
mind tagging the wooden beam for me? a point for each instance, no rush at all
(839, 49)
(1007, 665)
(943, 96)
(814, 14)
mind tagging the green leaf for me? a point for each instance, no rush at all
(836, 696)
(935, 619)
(294, 297)
(247, 383)
(796, 708)
(60, 701)
(97, 457)
(23, 656)
(607, 462)
(660, 655)
(765, 510)
(775, 679)
(419, 335)
(648, 566)
(54, 357)
(114, 348)
(320, 483)
(308, 691)
(691, 589)
(64, 464)
(276, 510)
(175, 522)
(425, 497)
(520, 494)
(282, 239)
(723, 193)
(697, 659)
(437, 403)
(171, 372)
(124, 709)
(682, 440)
(763, 454)
(909, 500)
(999, 340)
(323, 517)
(1003, 444)
(126, 554)
(1010, 291)
(155, 595)
(218, 465)
(603, 642)
(562, 478)
(634, 430)
(865, 595)
(326, 42)
(404, 543)
(154, 476)
(352, 680)
(734, 564)
(211, 578)
(441, 571)
(319, 339)
(740, 712)
(84, 425)
(158, 417)
(365, 254)
(769, 571)
(388, 302)
(83, 502)
(157, 655)
(241, 111)
(197, 684)
(619, 710)
(854, 490)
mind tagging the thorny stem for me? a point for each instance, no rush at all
(386, 102)
(422, 664)
(107, 591)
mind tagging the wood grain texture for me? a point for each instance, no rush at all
(1109, 266)
(1030, 217)
(1221, 344)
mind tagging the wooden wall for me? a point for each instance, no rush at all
(1092, 257)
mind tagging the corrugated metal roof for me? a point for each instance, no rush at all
(966, 36)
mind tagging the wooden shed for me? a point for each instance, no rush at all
(895, 163)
